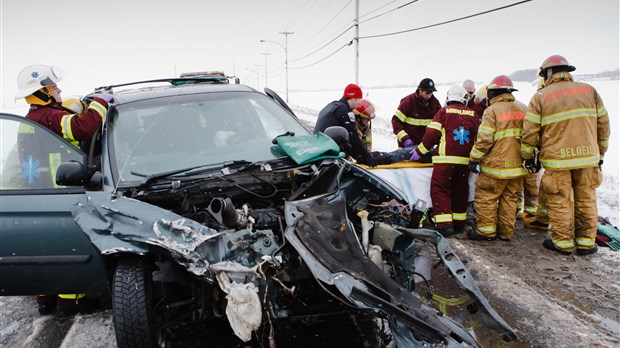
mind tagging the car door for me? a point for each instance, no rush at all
(42, 249)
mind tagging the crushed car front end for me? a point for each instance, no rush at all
(205, 216)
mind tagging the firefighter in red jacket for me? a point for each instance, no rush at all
(454, 129)
(569, 122)
(414, 113)
(497, 152)
(38, 85)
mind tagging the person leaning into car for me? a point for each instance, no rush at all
(38, 85)
(340, 113)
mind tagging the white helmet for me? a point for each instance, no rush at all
(458, 94)
(34, 77)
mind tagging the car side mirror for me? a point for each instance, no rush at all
(72, 173)
(338, 133)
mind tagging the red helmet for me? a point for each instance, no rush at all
(501, 82)
(365, 109)
(555, 62)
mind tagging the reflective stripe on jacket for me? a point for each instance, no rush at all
(571, 123)
(412, 117)
(74, 128)
(498, 144)
(454, 128)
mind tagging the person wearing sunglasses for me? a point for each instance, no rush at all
(475, 104)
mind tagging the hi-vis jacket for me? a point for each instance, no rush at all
(570, 121)
(412, 117)
(454, 128)
(74, 128)
(498, 144)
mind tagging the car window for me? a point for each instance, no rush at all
(30, 155)
(158, 135)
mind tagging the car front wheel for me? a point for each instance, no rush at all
(132, 306)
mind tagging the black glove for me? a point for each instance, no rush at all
(532, 165)
(371, 161)
(473, 167)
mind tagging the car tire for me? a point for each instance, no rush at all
(131, 307)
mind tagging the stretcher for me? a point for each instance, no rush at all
(414, 180)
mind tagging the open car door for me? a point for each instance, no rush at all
(43, 250)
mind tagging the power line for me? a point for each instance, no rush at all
(377, 9)
(320, 48)
(392, 10)
(298, 13)
(317, 62)
(325, 27)
(309, 20)
(445, 22)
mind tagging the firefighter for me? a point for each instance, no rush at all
(38, 85)
(569, 122)
(496, 152)
(454, 129)
(364, 114)
(477, 106)
(414, 113)
(340, 113)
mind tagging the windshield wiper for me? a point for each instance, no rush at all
(149, 178)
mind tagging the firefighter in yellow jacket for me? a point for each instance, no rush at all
(496, 152)
(569, 120)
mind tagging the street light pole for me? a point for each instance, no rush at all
(265, 54)
(285, 47)
(286, 34)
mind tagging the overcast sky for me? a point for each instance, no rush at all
(110, 42)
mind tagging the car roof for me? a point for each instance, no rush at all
(150, 89)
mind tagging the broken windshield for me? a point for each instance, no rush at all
(167, 134)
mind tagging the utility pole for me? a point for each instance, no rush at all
(356, 22)
(257, 76)
(265, 54)
(285, 47)
(286, 34)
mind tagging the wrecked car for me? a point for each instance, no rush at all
(200, 199)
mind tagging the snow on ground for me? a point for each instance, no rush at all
(307, 105)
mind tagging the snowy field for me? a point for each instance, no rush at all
(308, 104)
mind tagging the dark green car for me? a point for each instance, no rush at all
(199, 200)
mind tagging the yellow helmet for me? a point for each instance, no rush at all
(74, 104)
(481, 94)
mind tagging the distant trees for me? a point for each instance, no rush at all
(527, 75)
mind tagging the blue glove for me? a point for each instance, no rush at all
(415, 156)
(408, 143)
(107, 97)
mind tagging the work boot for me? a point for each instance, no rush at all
(66, 306)
(504, 239)
(535, 224)
(461, 228)
(583, 252)
(471, 234)
(46, 303)
(446, 231)
(525, 216)
(548, 244)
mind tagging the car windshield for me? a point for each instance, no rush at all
(165, 134)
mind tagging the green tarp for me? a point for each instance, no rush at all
(309, 148)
